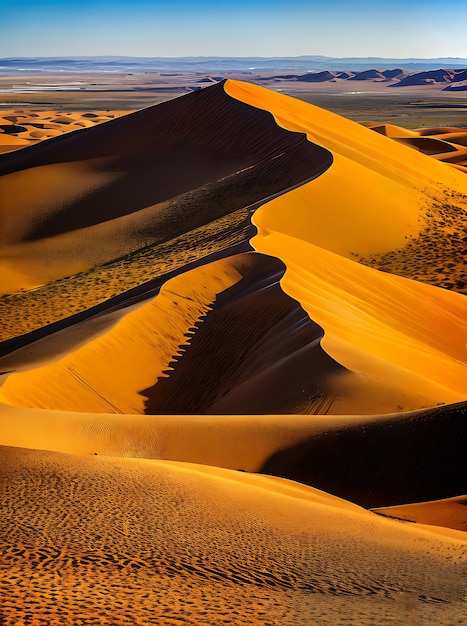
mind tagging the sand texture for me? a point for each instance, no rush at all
(23, 127)
(175, 543)
(233, 368)
(450, 512)
(445, 144)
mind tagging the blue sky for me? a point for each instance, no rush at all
(413, 28)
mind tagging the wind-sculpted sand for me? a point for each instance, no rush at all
(211, 309)
(450, 512)
(24, 127)
(445, 144)
(172, 543)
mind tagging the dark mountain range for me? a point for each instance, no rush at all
(223, 64)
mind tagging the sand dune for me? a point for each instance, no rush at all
(448, 79)
(20, 127)
(445, 144)
(183, 542)
(457, 86)
(369, 75)
(415, 457)
(363, 455)
(224, 338)
(409, 203)
(447, 513)
(233, 280)
(375, 323)
(240, 442)
(429, 77)
(187, 156)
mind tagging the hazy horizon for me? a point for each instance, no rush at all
(184, 28)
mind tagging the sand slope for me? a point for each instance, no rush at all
(181, 542)
(143, 179)
(391, 207)
(450, 512)
(444, 144)
(416, 457)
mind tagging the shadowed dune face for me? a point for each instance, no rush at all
(247, 345)
(162, 540)
(399, 462)
(175, 148)
(221, 339)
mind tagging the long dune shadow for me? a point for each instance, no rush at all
(413, 458)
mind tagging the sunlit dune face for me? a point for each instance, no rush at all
(391, 209)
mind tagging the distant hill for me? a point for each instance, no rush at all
(222, 64)
(426, 78)
(453, 79)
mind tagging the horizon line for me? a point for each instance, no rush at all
(302, 56)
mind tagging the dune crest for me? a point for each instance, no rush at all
(450, 513)
(383, 196)
(154, 333)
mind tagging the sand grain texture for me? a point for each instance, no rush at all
(170, 542)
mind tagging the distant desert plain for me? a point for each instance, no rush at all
(233, 356)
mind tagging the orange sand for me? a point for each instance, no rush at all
(450, 513)
(37, 126)
(444, 144)
(112, 540)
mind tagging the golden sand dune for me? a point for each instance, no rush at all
(391, 206)
(362, 455)
(220, 328)
(243, 442)
(224, 338)
(443, 143)
(143, 179)
(375, 323)
(22, 127)
(450, 512)
(179, 543)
